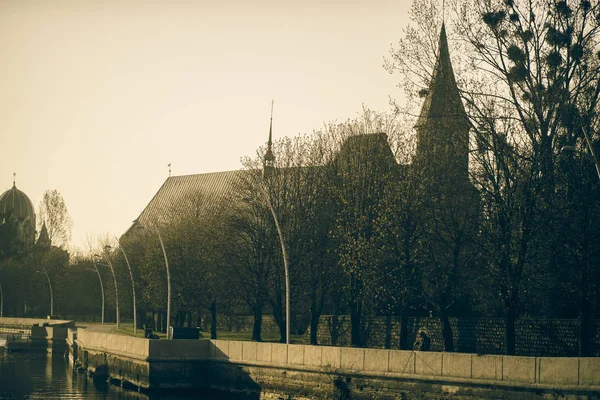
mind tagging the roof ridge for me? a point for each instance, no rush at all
(204, 173)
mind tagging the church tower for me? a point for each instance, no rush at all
(443, 126)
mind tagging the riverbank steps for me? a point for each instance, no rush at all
(303, 371)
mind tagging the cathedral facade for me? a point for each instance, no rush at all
(442, 148)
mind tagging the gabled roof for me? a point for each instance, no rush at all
(182, 195)
(206, 194)
(443, 97)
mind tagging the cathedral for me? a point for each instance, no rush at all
(442, 148)
(16, 207)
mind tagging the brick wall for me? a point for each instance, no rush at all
(534, 337)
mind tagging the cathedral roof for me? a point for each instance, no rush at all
(17, 202)
(197, 193)
(204, 194)
(365, 146)
(443, 97)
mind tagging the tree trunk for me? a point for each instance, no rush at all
(257, 313)
(316, 309)
(388, 332)
(584, 319)
(279, 315)
(355, 338)
(446, 331)
(158, 322)
(355, 311)
(509, 333)
(279, 320)
(404, 329)
(314, 323)
(213, 320)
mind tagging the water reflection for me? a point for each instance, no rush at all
(27, 375)
(48, 368)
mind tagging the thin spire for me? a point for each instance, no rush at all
(271, 123)
(443, 12)
(169, 165)
(269, 157)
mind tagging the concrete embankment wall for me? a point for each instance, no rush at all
(583, 372)
(29, 322)
(305, 369)
(43, 333)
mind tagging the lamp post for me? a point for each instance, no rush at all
(285, 265)
(1, 302)
(112, 270)
(162, 246)
(50, 286)
(101, 285)
(132, 287)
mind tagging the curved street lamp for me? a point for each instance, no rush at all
(101, 285)
(132, 287)
(162, 246)
(285, 265)
(50, 286)
(112, 270)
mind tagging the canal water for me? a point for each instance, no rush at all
(27, 375)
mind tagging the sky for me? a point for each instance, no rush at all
(97, 97)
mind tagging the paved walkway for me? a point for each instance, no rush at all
(96, 326)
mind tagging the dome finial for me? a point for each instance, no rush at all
(14, 179)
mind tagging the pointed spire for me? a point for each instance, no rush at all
(269, 157)
(443, 126)
(44, 239)
(443, 13)
(443, 97)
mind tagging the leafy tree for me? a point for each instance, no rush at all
(529, 79)
(54, 214)
(365, 166)
(195, 238)
(10, 243)
(249, 250)
(399, 228)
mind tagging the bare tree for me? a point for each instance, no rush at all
(54, 214)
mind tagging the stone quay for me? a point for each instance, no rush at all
(304, 371)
